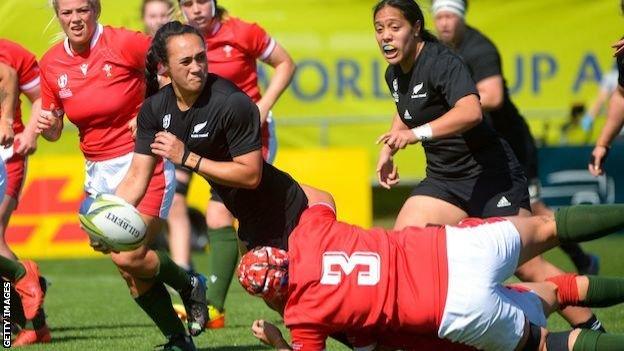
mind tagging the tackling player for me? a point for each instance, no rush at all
(484, 63)
(440, 281)
(95, 77)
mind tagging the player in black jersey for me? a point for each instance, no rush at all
(484, 63)
(206, 124)
(470, 170)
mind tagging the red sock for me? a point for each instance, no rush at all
(567, 290)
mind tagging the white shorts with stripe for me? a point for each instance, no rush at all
(479, 310)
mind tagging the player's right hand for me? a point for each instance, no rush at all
(268, 333)
(48, 119)
(597, 159)
(6, 133)
(387, 171)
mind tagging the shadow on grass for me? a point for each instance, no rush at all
(101, 327)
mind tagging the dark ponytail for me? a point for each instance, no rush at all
(157, 54)
(412, 13)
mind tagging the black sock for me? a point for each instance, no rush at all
(156, 302)
(577, 255)
(592, 323)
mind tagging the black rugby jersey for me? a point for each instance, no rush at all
(431, 88)
(483, 61)
(222, 124)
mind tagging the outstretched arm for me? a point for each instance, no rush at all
(270, 335)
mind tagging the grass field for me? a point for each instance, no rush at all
(89, 308)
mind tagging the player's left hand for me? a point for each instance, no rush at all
(132, 125)
(398, 139)
(168, 146)
(268, 333)
(264, 112)
(25, 143)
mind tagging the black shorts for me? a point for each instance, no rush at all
(492, 195)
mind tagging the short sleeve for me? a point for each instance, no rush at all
(620, 64)
(241, 124)
(486, 64)
(134, 46)
(49, 97)
(451, 77)
(307, 339)
(257, 41)
(147, 127)
(28, 72)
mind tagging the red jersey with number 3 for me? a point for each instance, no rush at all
(343, 278)
(100, 90)
(25, 63)
(233, 48)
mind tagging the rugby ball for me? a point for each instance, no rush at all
(113, 221)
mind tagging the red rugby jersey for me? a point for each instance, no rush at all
(100, 90)
(233, 48)
(25, 63)
(343, 278)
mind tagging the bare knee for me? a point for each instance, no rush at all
(129, 261)
(218, 216)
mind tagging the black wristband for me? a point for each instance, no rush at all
(592, 159)
(196, 168)
(185, 157)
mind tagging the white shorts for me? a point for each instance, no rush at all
(479, 311)
(3, 179)
(103, 177)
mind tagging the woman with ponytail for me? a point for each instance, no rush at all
(96, 78)
(234, 48)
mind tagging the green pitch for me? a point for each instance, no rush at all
(89, 308)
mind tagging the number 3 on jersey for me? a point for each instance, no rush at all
(336, 262)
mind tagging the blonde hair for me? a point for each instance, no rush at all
(95, 5)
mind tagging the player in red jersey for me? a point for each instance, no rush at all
(95, 77)
(20, 75)
(154, 14)
(233, 48)
(440, 281)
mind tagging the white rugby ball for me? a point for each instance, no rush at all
(115, 222)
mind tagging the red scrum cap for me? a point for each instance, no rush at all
(263, 272)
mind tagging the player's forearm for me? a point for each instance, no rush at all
(284, 72)
(35, 111)
(9, 93)
(615, 119)
(134, 184)
(457, 120)
(228, 173)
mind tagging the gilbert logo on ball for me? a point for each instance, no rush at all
(113, 221)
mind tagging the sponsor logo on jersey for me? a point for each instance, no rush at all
(407, 115)
(335, 263)
(108, 70)
(228, 51)
(64, 91)
(198, 128)
(83, 68)
(415, 92)
(395, 93)
(166, 120)
(503, 202)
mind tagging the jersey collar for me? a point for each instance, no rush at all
(96, 36)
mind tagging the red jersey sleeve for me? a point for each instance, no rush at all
(307, 339)
(257, 41)
(28, 72)
(134, 46)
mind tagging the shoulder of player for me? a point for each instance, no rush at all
(225, 89)
(477, 42)
(14, 48)
(114, 36)
(52, 55)
(237, 23)
(440, 56)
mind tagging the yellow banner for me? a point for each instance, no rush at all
(554, 52)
